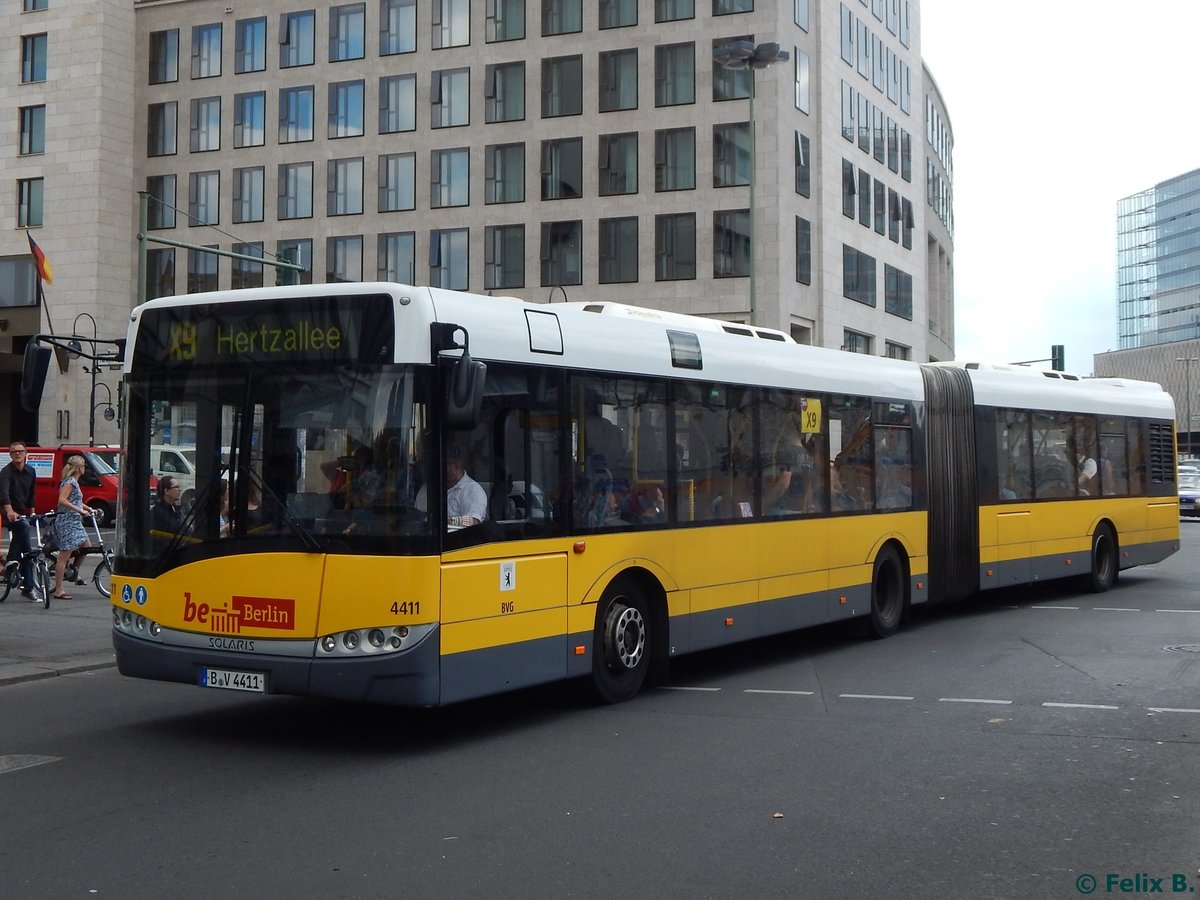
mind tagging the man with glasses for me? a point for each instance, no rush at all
(17, 485)
(166, 519)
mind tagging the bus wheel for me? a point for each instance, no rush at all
(622, 643)
(1105, 566)
(887, 594)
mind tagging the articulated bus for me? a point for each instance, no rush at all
(412, 496)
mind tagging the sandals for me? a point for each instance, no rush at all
(63, 595)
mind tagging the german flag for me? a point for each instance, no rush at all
(44, 269)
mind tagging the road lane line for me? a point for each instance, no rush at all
(17, 761)
(676, 687)
(760, 691)
(1054, 607)
(874, 697)
(1179, 610)
(1171, 709)
(1115, 609)
(972, 700)
(1080, 706)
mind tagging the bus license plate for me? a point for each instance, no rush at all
(233, 681)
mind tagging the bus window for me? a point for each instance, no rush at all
(1085, 453)
(853, 471)
(1054, 474)
(795, 462)
(1114, 462)
(1014, 460)
(714, 442)
(893, 456)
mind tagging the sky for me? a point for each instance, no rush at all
(1059, 108)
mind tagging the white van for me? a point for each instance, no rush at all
(180, 463)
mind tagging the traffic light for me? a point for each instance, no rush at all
(33, 374)
(1058, 358)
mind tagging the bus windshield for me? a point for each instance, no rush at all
(325, 461)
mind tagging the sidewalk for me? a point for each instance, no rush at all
(71, 636)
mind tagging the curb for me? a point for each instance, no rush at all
(36, 673)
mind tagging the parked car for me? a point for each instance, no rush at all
(1189, 495)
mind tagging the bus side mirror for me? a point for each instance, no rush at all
(464, 395)
(33, 375)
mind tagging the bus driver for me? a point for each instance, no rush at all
(466, 500)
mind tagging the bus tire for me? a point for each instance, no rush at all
(621, 642)
(1105, 561)
(888, 594)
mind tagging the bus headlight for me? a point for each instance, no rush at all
(372, 641)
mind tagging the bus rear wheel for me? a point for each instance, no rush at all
(1105, 564)
(621, 643)
(888, 594)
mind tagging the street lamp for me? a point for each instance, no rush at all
(748, 55)
(1187, 368)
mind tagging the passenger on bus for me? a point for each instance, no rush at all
(166, 518)
(1086, 467)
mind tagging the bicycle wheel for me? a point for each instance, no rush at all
(10, 576)
(102, 577)
(41, 577)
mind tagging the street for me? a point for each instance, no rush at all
(1035, 743)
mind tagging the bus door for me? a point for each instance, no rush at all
(504, 582)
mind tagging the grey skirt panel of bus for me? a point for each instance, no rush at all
(953, 489)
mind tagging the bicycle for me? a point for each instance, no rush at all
(10, 575)
(102, 576)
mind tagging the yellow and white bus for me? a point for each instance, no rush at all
(638, 485)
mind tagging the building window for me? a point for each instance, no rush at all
(731, 243)
(450, 94)
(450, 177)
(206, 125)
(878, 73)
(250, 46)
(803, 251)
(675, 159)
(855, 342)
(674, 10)
(731, 84)
(347, 32)
(34, 5)
(160, 272)
(897, 293)
(896, 351)
(561, 17)
(295, 114)
(396, 257)
(675, 247)
(905, 155)
(451, 23)
(346, 109)
(880, 207)
(505, 20)
(33, 58)
(160, 210)
(206, 51)
(397, 182)
(298, 252)
(448, 261)
(33, 130)
(849, 189)
(618, 164)
(343, 258)
(562, 253)
(248, 194)
(731, 154)
(618, 80)
(728, 7)
(397, 26)
(297, 39)
(249, 119)
(202, 271)
(675, 74)
(504, 175)
(30, 194)
(847, 34)
(204, 198)
(864, 198)
(858, 276)
(803, 166)
(618, 13)
(562, 169)
(562, 86)
(245, 273)
(503, 257)
(295, 191)
(906, 223)
(164, 56)
(504, 92)
(344, 187)
(894, 216)
(802, 90)
(864, 123)
(847, 111)
(397, 103)
(893, 145)
(619, 250)
(880, 144)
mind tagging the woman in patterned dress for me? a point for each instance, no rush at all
(68, 524)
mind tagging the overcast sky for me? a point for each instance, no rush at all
(1059, 109)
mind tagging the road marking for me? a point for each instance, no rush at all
(971, 700)
(759, 691)
(675, 687)
(1054, 607)
(1170, 709)
(1080, 706)
(20, 761)
(1179, 610)
(874, 697)
(1115, 609)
